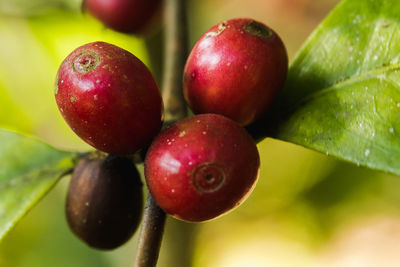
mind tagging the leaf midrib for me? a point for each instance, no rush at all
(26, 176)
(344, 82)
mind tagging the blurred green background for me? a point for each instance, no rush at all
(308, 209)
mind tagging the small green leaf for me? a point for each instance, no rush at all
(28, 169)
(342, 96)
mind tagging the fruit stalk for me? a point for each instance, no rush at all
(175, 54)
(150, 234)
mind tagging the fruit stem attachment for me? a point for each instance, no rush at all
(175, 54)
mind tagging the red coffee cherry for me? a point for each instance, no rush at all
(105, 201)
(128, 16)
(109, 98)
(201, 167)
(236, 69)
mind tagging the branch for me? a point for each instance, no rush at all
(175, 57)
(150, 235)
(175, 109)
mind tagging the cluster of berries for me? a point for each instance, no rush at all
(197, 168)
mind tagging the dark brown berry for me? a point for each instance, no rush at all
(104, 202)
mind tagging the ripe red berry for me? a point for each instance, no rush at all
(109, 98)
(236, 69)
(201, 167)
(105, 201)
(128, 16)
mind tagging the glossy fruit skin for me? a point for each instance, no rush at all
(109, 98)
(127, 16)
(201, 167)
(236, 69)
(104, 201)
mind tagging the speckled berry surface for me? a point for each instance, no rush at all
(104, 203)
(109, 98)
(128, 16)
(236, 69)
(201, 167)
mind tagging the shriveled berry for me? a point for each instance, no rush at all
(105, 201)
(201, 167)
(236, 69)
(109, 98)
(128, 16)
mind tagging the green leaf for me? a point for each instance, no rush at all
(28, 169)
(342, 96)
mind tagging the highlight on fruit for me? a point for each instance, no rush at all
(109, 98)
(236, 69)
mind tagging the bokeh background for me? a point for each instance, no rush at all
(308, 209)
